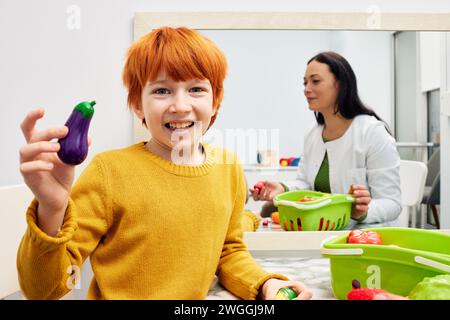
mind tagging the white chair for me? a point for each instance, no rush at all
(412, 183)
(14, 202)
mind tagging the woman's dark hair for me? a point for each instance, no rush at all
(349, 105)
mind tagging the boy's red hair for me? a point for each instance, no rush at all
(182, 54)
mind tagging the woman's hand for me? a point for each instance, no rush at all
(266, 190)
(270, 288)
(362, 199)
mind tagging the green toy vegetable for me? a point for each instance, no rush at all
(286, 294)
(74, 146)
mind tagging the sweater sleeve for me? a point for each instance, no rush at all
(238, 272)
(48, 267)
(383, 175)
(250, 221)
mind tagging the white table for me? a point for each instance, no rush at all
(296, 254)
(293, 254)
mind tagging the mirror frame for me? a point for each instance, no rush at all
(372, 20)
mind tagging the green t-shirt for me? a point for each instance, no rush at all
(322, 182)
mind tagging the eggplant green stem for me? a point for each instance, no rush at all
(86, 108)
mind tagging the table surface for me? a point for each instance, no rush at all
(293, 254)
(311, 269)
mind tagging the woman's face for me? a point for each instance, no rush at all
(321, 88)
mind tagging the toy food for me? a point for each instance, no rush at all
(358, 293)
(286, 294)
(364, 237)
(275, 217)
(364, 293)
(432, 288)
(258, 186)
(306, 199)
(74, 146)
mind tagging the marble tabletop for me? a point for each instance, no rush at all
(314, 272)
(308, 267)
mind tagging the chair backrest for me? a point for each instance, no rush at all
(412, 183)
(14, 203)
(434, 167)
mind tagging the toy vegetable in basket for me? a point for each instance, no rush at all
(358, 293)
(430, 288)
(406, 258)
(364, 237)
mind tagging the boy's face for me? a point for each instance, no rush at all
(177, 113)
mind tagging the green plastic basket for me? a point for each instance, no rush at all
(327, 212)
(406, 257)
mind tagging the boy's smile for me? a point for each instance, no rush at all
(177, 125)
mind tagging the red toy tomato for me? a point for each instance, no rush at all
(364, 293)
(306, 199)
(364, 237)
(258, 186)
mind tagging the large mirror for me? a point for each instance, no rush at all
(396, 59)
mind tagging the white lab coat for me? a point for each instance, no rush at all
(366, 154)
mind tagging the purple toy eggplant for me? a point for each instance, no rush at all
(74, 146)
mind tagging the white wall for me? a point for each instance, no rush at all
(430, 60)
(370, 55)
(45, 64)
(264, 89)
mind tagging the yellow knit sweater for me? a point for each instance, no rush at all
(152, 230)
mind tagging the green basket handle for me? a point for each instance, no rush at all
(342, 252)
(302, 206)
(431, 263)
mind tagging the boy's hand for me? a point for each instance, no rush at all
(362, 200)
(266, 190)
(44, 173)
(270, 288)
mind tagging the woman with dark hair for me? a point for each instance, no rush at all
(349, 150)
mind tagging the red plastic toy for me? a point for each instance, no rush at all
(364, 237)
(358, 293)
(292, 161)
(258, 186)
(306, 199)
(364, 293)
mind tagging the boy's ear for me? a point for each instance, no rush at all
(139, 113)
